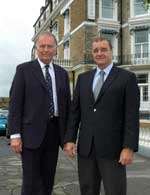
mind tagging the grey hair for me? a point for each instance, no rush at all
(46, 33)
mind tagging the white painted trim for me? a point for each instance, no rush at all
(91, 11)
(66, 7)
(115, 16)
(149, 41)
(100, 9)
(84, 23)
(131, 8)
(115, 39)
(132, 43)
(61, 42)
(125, 25)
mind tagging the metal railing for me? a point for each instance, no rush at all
(63, 62)
(133, 59)
(130, 59)
(144, 138)
(118, 60)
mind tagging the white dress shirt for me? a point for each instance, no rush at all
(52, 74)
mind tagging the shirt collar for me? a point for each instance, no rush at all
(106, 70)
(43, 65)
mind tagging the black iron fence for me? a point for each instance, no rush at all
(131, 59)
(63, 62)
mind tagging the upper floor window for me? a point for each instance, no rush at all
(66, 21)
(44, 16)
(91, 9)
(139, 7)
(66, 50)
(142, 80)
(55, 31)
(107, 8)
(108, 36)
(141, 44)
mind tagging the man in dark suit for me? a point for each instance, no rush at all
(38, 114)
(106, 105)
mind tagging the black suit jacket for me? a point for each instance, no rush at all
(28, 108)
(112, 122)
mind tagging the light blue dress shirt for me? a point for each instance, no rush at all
(106, 70)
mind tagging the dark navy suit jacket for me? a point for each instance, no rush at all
(28, 108)
(112, 121)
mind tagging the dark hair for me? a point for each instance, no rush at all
(99, 39)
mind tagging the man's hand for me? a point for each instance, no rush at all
(70, 149)
(16, 145)
(126, 156)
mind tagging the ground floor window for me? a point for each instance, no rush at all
(143, 86)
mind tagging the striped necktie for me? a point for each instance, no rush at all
(99, 84)
(50, 91)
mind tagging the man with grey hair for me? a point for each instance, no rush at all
(38, 114)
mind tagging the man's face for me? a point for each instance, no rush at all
(102, 53)
(46, 48)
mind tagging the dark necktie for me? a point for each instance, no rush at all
(50, 91)
(99, 84)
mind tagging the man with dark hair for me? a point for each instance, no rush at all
(38, 114)
(106, 105)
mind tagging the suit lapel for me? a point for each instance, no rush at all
(57, 78)
(112, 75)
(90, 87)
(37, 72)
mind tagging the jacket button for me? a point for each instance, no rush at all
(94, 109)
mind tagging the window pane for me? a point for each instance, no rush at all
(141, 36)
(139, 7)
(142, 78)
(107, 36)
(137, 51)
(141, 44)
(107, 8)
(145, 50)
(55, 30)
(145, 93)
(144, 115)
(66, 50)
(66, 22)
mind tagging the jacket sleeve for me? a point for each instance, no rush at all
(68, 96)
(131, 120)
(16, 102)
(74, 115)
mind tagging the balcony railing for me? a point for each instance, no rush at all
(118, 60)
(144, 138)
(139, 58)
(63, 62)
(131, 59)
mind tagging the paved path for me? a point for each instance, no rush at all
(66, 182)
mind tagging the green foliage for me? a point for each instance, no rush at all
(146, 4)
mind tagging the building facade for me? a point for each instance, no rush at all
(76, 22)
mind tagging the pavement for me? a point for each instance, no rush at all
(66, 180)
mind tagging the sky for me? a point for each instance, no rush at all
(17, 18)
